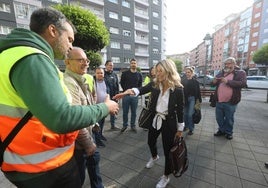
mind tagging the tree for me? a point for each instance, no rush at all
(95, 59)
(261, 56)
(92, 35)
(178, 65)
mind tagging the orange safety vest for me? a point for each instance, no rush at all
(35, 148)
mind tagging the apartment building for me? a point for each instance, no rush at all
(137, 27)
(239, 36)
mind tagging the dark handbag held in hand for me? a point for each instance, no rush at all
(178, 157)
(197, 116)
(212, 100)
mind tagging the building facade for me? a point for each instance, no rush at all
(239, 36)
(137, 27)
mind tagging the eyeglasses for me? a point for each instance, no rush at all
(81, 60)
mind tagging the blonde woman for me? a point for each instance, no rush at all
(167, 103)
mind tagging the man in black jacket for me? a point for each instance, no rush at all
(111, 81)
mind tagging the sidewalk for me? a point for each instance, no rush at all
(214, 162)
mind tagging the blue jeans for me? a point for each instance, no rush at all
(112, 120)
(188, 113)
(92, 165)
(98, 135)
(225, 116)
(132, 102)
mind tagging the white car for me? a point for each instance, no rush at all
(257, 82)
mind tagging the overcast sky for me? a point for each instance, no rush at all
(188, 21)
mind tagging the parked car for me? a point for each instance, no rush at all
(207, 81)
(257, 82)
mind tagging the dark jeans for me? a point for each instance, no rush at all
(225, 116)
(92, 165)
(132, 102)
(66, 176)
(98, 134)
(168, 136)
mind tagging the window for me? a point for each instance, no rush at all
(126, 19)
(125, 4)
(257, 15)
(155, 27)
(25, 26)
(115, 59)
(155, 62)
(155, 39)
(156, 2)
(5, 30)
(254, 44)
(113, 15)
(115, 45)
(4, 7)
(127, 33)
(155, 14)
(114, 30)
(127, 46)
(256, 25)
(255, 34)
(114, 1)
(55, 1)
(23, 11)
(155, 51)
(265, 41)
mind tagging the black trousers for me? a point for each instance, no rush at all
(66, 176)
(168, 135)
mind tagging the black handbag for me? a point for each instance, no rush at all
(212, 100)
(146, 118)
(197, 116)
(178, 157)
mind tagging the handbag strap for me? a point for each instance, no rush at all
(15, 131)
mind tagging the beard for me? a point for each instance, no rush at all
(228, 70)
(59, 51)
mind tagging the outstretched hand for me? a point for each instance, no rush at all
(121, 95)
(112, 106)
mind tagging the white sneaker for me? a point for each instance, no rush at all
(151, 162)
(164, 180)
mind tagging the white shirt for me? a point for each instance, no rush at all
(161, 108)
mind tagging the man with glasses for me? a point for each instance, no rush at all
(85, 149)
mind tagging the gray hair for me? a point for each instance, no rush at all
(230, 59)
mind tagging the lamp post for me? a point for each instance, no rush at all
(207, 41)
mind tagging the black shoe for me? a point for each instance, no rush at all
(219, 133)
(229, 136)
(103, 138)
(266, 164)
(114, 128)
(123, 129)
(190, 133)
(134, 129)
(185, 129)
(100, 144)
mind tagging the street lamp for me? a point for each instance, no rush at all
(207, 41)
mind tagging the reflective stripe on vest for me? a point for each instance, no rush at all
(35, 148)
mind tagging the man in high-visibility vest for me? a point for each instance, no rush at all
(41, 154)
